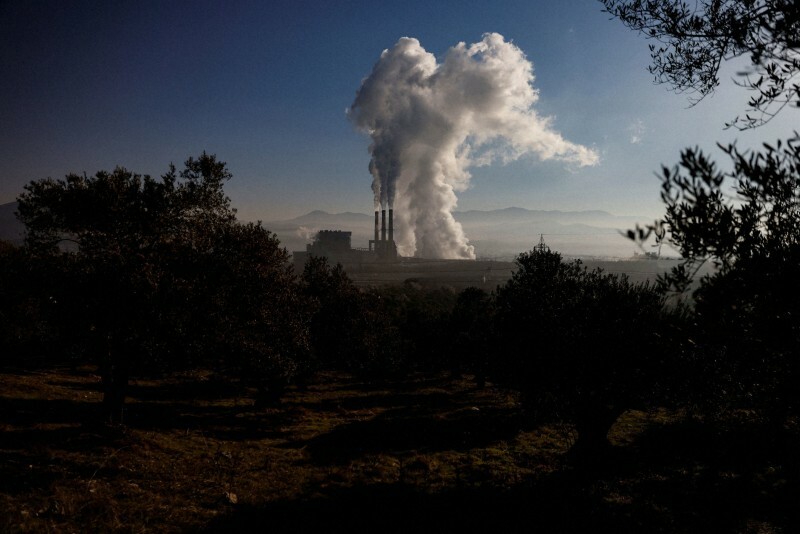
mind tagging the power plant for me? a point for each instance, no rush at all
(384, 248)
(380, 264)
(336, 245)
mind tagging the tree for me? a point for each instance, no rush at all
(259, 319)
(472, 328)
(157, 272)
(24, 326)
(745, 221)
(421, 315)
(349, 329)
(695, 38)
(581, 346)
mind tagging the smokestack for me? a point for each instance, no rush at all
(376, 226)
(391, 224)
(400, 106)
(383, 225)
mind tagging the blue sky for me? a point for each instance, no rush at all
(264, 85)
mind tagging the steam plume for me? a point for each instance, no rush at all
(431, 122)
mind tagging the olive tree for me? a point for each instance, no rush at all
(350, 329)
(582, 346)
(746, 222)
(693, 39)
(157, 272)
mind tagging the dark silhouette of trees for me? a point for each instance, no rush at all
(421, 316)
(745, 221)
(581, 346)
(695, 38)
(472, 329)
(349, 328)
(25, 330)
(260, 319)
(157, 273)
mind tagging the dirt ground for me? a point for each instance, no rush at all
(426, 454)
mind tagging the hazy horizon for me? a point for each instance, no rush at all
(499, 234)
(266, 87)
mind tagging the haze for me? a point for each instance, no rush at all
(264, 86)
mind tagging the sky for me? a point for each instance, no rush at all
(87, 86)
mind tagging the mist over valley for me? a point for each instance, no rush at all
(496, 234)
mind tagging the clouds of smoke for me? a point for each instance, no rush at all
(430, 122)
(306, 232)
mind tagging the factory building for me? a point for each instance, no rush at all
(336, 245)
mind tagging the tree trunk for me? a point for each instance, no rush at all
(115, 388)
(593, 425)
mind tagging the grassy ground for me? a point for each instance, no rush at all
(429, 454)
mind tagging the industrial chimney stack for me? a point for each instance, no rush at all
(383, 245)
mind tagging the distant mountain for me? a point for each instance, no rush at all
(10, 228)
(499, 233)
(480, 217)
(323, 217)
(592, 217)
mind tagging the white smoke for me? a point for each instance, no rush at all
(305, 232)
(430, 122)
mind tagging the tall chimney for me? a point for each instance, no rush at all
(376, 227)
(383, 225)
(391, 224)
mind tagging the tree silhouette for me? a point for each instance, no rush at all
(350, 330)
(745, 221)
(582, 346)
(157, 273)
(695, 38)
(26, 325)
(472, 328)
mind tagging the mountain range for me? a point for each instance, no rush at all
(498, 234)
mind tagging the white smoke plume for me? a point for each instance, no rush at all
(306, 232)
(431, 122)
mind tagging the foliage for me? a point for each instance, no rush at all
(582, 346)
(23, 328)
(260, 321)
(157, 273)
(695, 38)
(473, 333)
(742, 215)
(747, 222)
(422, 318)
(349, 329)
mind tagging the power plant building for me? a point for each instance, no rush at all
(336, 245)
(379, 263)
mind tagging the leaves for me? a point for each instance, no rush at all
(158, 273)
(696, 38)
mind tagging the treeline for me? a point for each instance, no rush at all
(142, 276)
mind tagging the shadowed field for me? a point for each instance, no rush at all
(428, 454)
